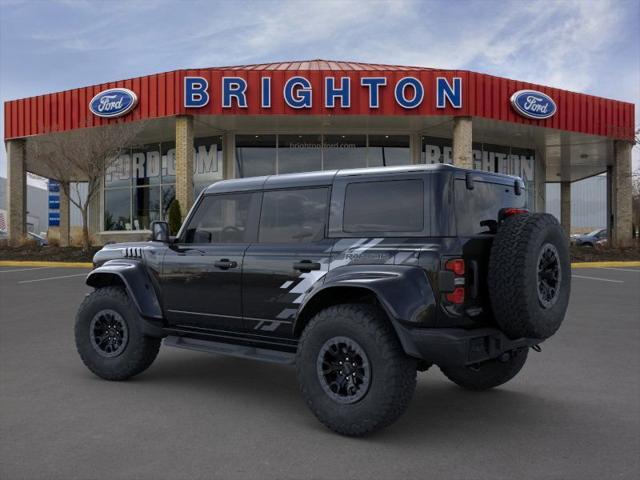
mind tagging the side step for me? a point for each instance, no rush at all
(242, 351)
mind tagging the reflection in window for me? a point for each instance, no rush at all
(255, 155)
(344, 151)
(299, 153)
(389, 150)
(146, 207)
(117, 205)
(293, 216)
(220, 219)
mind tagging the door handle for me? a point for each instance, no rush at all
(225, 264)
(306, 266)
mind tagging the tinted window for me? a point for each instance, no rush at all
(476, 210)
(220, 219)
(390, 206)
(293, 215)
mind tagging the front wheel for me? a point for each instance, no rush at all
(489, 374)
(108, 335)
(352, 370)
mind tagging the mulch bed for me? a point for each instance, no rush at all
(589, 254)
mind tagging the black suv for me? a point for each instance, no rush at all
(359, 277)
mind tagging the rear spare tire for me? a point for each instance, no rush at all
(529, 276)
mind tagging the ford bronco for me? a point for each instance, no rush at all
(360, 278)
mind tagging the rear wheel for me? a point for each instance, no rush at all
(489, 374)
(108, 335)
(352, 370)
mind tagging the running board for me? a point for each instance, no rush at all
(242, 351)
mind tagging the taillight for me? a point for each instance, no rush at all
(456, 266)
(510, 212)
(457, 296)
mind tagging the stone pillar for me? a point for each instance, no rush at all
(462, 142)
(228, 156)
(65, 216)
(184, 162)
(16, 191)
(621, 188)
(565, 206)
(416, 148)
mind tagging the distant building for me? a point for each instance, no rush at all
(588, 203)
(37, 207)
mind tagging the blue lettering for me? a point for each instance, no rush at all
(331, 92)
(445, 92)
(297, 92)
(195, 92)
(400, 92)
(234, 87)
(374, 84)
(266, 92)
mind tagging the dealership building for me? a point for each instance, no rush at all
(199, 126)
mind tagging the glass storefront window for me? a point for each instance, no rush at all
(145, 165)
(389, 150)
(118, 174)
(168, 162)
(207, 163)
(344, 151)
(299, 153)
(256, 155)
(168, 195)
(146, 207)
(117, 209)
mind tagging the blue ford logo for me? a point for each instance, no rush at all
(114, 102)
(533, 104)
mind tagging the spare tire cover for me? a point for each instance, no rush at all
(529, 276)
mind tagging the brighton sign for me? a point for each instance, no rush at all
(297, 92)
(113, 103)
(533, 104)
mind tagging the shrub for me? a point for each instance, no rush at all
(175, 217)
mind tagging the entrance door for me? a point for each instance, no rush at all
(202, 272)
(291, 254)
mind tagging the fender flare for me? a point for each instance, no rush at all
(133, 276)
(404, 292)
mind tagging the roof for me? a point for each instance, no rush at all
(320, 64)
(326, 177)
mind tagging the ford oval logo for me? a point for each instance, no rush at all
(533, 104)
(114, 102)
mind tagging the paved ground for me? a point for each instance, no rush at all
(573, 413)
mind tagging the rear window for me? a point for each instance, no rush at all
(477, 210)
(387, 206)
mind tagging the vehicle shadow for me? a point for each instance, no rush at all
(439, 410)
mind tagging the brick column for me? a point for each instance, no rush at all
(184, 163)
(16, 191)
(462, 142)
(65, 216)
(621, 188)
(565, 206)
(228, 156)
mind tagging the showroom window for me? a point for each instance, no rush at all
(255, 155)
(140, 184)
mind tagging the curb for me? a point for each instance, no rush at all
(605, 264)
(29, 263)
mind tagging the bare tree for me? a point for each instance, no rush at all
(82, 156)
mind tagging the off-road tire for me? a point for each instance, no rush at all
(489, 374)
(140, 350)
(513, 278)
(393, 373)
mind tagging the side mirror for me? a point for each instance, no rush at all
(160, 232)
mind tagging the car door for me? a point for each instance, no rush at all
(202, 273)
(291, 254)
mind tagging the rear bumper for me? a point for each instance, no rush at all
(457, 346)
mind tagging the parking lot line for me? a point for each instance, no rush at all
(597, 278)
(53, 278)
(621, 269)
(23, 269)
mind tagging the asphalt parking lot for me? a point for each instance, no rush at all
(572, 413)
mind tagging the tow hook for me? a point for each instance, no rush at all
(536, 348)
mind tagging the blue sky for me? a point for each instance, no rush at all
(582, 45)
